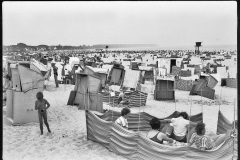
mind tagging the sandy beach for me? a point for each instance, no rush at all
(68, 124)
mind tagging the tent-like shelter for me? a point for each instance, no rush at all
(116, 74)
(21, 98)
(164, 88)
(86, 92)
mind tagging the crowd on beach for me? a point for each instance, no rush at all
(180, 128)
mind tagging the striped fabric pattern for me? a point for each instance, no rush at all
(138, 99)
(133, 97)
(231, 82)
(185, 85)
(223, 124)
(145, 119)
(134, 145)
(106, 96)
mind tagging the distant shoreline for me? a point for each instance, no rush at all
(207, 47)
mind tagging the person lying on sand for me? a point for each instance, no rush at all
(157, 136)
(122, 121)
(40, 105)
(178, 127)
(204, 142)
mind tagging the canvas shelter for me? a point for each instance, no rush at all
(134, 65)
(222, 71)
(202, 89)
(164, 88)
(86, 92)
(168, 63)
(126, 61)
(131, 78)
(107, 60)
(185, 85)
(187, 72)
(9, 62)
(176, 70)
(74, 61)
(232, 71)
(75, 68)
(38, 67)
(103, 73)
(21, 98)
(197, 68)
(136, 98)
(148, 73)
(4, 63)
(116, 74)
(231, 82)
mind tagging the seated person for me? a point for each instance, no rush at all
(155, 134)
(121, 98)
(204, 142)
(178, 127)
(122, 121)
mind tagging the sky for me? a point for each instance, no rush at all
(134, 22)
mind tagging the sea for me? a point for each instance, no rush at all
(190, 48)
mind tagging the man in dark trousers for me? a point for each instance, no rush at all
(55, 72)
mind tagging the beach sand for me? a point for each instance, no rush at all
(68, 138)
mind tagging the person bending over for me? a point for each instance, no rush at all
(155, 135)
(122, 121)
(204, 142)
(40, 105)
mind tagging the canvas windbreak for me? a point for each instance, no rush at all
(135, 145)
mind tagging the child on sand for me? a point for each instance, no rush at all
(122, 121)
(40, 105)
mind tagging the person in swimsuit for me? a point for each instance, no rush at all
(157, 136)
(40, 105)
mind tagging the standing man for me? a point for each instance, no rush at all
(55, 72)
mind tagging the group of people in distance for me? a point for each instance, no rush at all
(182, 130)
